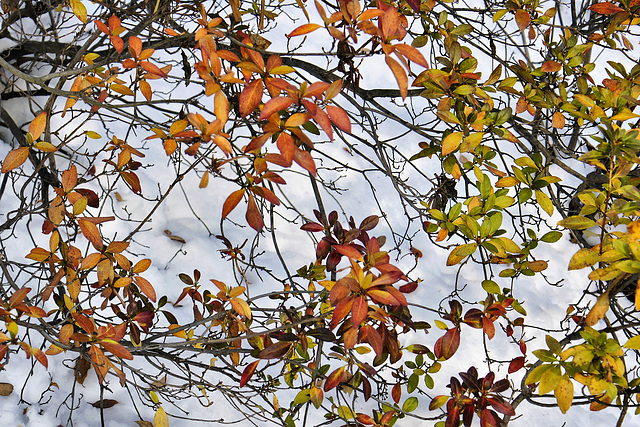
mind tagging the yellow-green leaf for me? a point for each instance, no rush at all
(550, 379)
(633, 343)
(583, 258)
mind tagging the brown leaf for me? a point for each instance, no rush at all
(104, 403)
(523, 19)
(6, 389)
(551, 66)
(275, 351)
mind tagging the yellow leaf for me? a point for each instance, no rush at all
(121, 89)
(633, 343)
(564, 393)
(583, 258)
(47, 147)
(79, 10)
(626, 114)
(451, 143)
(93, 135)
(545, 202)
(471, 142)
(160, 419)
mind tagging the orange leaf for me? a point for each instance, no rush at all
(100, 362)
(117, 43)
(116, 349)
(599, 310)
(274, 105)
(558, 120)
(145, 88)
(412, 54)
(339, 118)
(248, 372)
(91, 233)
(84, 322)
(146, 288)
(399, 74)
(304, 159)
(551, 66)
(523, 19)
(221, 106)
(40, 356)
(135, 46)
(605, 8)
(152, 68)
(250, 97)
(232, 201)
(253, 216)
(37, 125)
(18, 296)
(451, 143)
(303, 29)
(15, 158)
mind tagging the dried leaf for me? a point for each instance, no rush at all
(104, 403)
(6, 389)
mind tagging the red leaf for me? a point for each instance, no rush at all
(516, 364)
(501, 406)
(374, 339)
(349, 251)
(274, 105)
(322, 118)
(15, 158)
(340, 312)
(396, 392)
(339, 118)
(253, 216)
(312, 227)
(606, 8)
(250, 97)
(447, 345)
(359, 311)
(232, 201)
(286, 146)
(248, 373)
(409, 287)
(275, 351)
(335, 378)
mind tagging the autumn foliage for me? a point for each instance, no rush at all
(498, 136)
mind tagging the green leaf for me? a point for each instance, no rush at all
(410, 404)
(551, 237)
(491, 287)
